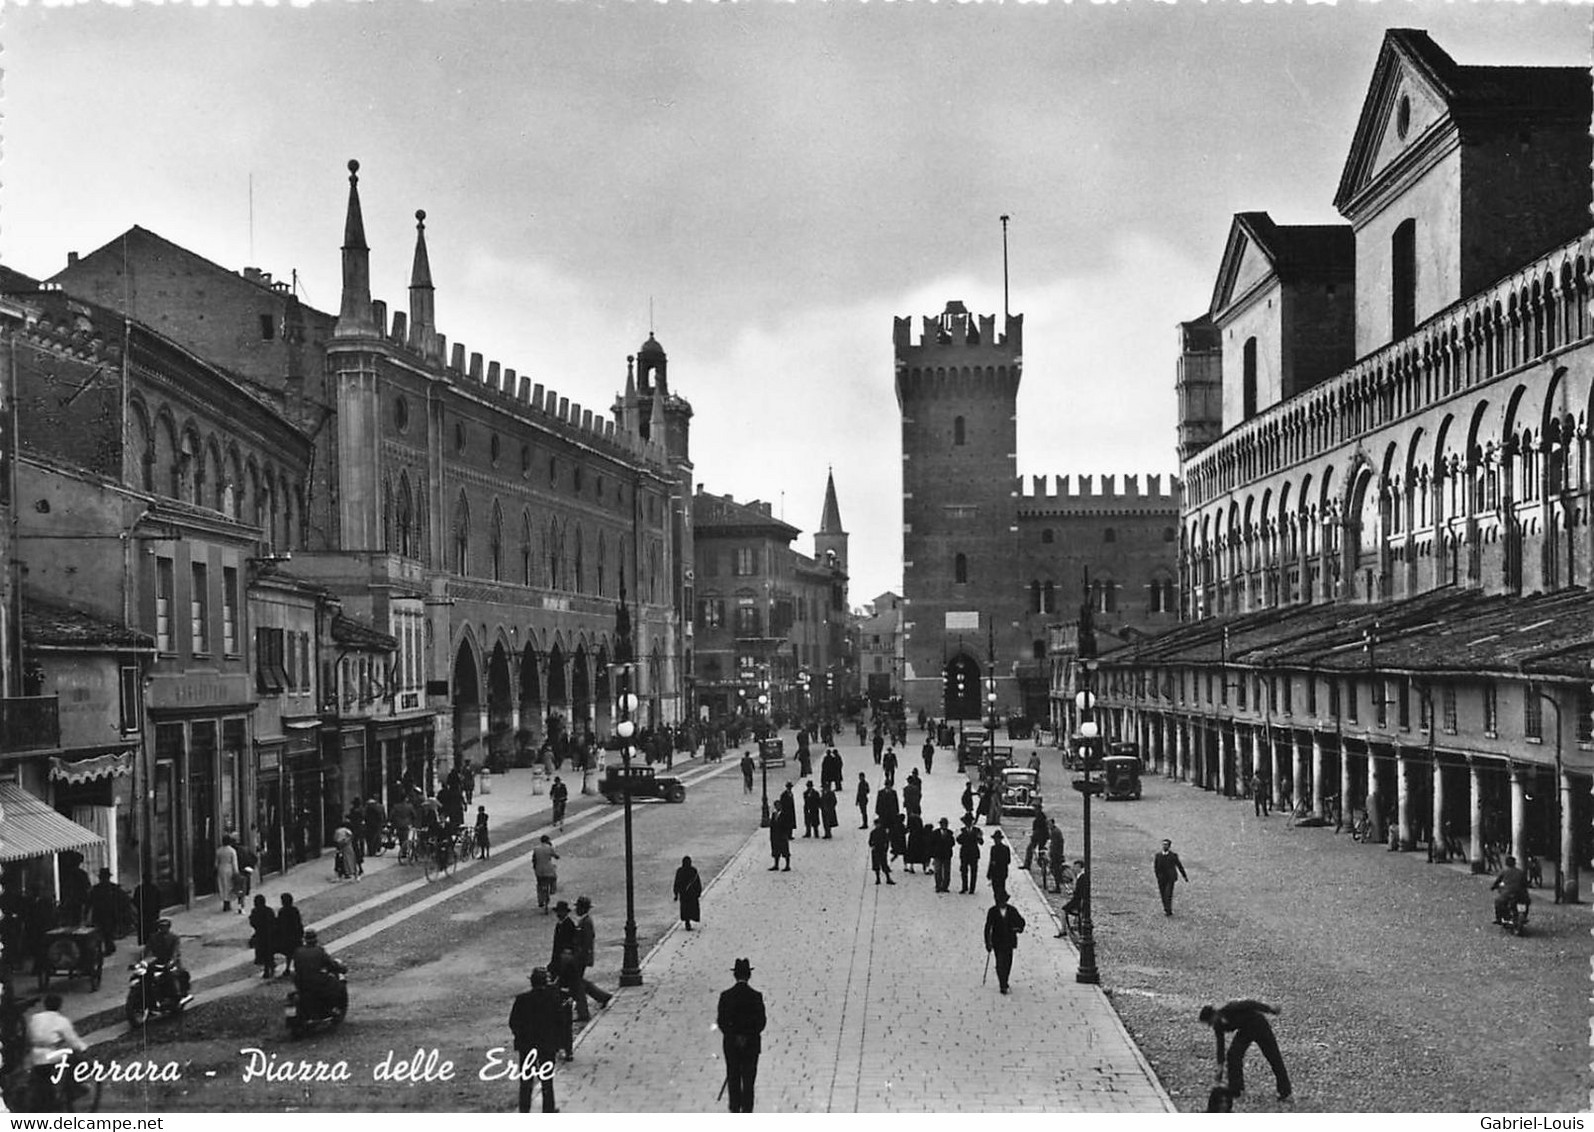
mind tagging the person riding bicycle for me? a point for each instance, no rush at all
(315, 977)
(1513, 885)
(402, 815)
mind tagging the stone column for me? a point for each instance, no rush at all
(1298, 791)
(1375, 816)
(1317, 775)
(1402, 800)
(1437, 795)
(1223, 759)
(1273, 770)
(1569, 878)
(1344, 784)
(1475, 838)
(1519, 817)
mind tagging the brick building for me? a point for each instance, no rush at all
(1387, 558)
(988, 566)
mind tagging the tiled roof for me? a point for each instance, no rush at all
(47, 624)
(348, 630)
(1446, 630)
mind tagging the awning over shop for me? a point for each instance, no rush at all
(110, 764)
(30, 828)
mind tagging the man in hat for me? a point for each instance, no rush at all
(741, 1021)
(1167, 867)
(105, 905)
(586, 946)
(1000, 860)
(564, 934)
(1246, 1019)
(1002, 925)
(534, 1021)
(942, 843)
(969, 842)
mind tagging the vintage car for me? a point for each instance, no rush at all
(1021, 790)
(1122, 776)
(640, 782)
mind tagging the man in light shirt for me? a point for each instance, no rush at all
(51, 1041)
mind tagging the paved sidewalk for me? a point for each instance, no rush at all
(874, 995)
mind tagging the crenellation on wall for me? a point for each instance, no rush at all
(493, 375)
(456, 361)
(1101, 490)
(401, 324)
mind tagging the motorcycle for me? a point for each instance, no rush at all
(149, 992)
(1515, 920)
(308, 1016)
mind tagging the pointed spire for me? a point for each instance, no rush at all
(630, 376)
(423, 313)
(354, 315)
(830, 521)
(656, 419)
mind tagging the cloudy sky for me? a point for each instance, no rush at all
(775, 181)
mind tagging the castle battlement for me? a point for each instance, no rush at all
(957, 328)
(517, 394)
(1101, 492)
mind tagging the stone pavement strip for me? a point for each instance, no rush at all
(874, 996)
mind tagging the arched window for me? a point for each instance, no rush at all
(1248, 380)
(603, 554)
(387, 516)
(1047, 535)
(1035, 596)
(525, 550)
(553, 554)
(960, 570)
(957, 431)
(581, 564)
(1403, 279)
(495, 543)
(405, 518)
(1109, 535)
(1049, 598)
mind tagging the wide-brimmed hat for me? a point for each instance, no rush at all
(583, 902)
(743, 969)
(562, 906)
(997, 834)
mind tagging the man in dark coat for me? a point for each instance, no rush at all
(105, 903)
(147, 907)
(534, 1020)
(889, 765)
(996, 867)
(375, 819)
(968, 798)
(1040, 832)
(929, 754)
(863, 800)
(969, 842)
(913, 794)
(586, 954)
(564, 934)
(1245, 1018)
(688, 890)
(747, 772)
(886, 805)
(830, 768)
(879, 745)
(942, 844)
(741, 1020)
(827, 810)
(1002, 925)
(810, 810)
(779, 838)
(1167, 866)
(879, 848)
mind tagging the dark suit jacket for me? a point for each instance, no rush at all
(1002, 926)
(564, 935)
(741, 1019)
(534, 1020)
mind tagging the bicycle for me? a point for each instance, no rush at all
(1361, 827)
(441, 858)
(465, 847)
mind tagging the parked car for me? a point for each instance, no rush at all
(640, 782)
(1122, 775)
(1021, 791)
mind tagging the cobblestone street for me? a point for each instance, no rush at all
(1398, 992)
(874, 994)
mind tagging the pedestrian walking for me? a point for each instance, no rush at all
(586, 953)
(1039, 834)
(226, 871)
(1168, 867)
(915, 854)
(810, 810)
(263, 937)
(375, 820)
(348, 864)
(483, 838)
(942, 845)
(879, 850)
(1246, 1019)
(888, 763)
(1075, 904)
(747, 772)
(559, 795)
(805, 760)
(688, 890)
(105, 901)
(968, 799)
(879, 746)
(535, 1021)
(863, 800)
(969, 842)
(886, 804)
(899, 837)
(827, 810)
(1003, 923)
(913, 794)
(564, 938)
(830, 769)
(779, 840)
(1260, 801)
(741, 1021)
(1001, 859)
(928, 754)
(546, 872)
(289, 932)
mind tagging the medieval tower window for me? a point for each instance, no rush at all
(1248, 379)
(960, 570)
(958, 432)
(1109, 535)
(1403, 280)
(1047, 535)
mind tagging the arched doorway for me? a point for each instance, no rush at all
(500, 705)
(558, 692)
(531, 707)
(602, 695)
(580, 693)
(467, 709)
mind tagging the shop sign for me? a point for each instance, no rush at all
(182, 691)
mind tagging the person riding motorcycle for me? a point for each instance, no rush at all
(1513, 887)
(166, 950)
(315, 976)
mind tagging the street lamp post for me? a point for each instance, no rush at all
(763, 766)
(631, 957)
(1085, 701)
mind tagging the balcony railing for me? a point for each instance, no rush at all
(29, 723)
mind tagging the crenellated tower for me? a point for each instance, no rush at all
(957, 389)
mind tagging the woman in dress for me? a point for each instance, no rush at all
(226, 872)
(688, 888)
